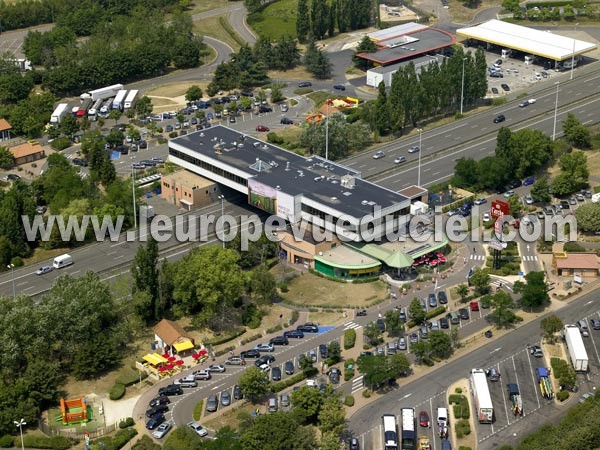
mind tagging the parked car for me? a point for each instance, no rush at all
(413, 337)
(480, 201)
(381, 325)
(496, 74)
(225, 398)
(474, 306)
(235, 361)
(160, 400)
(444, 323)
(162, 430)
(463, 313)
(505, 87)
(212, 403)
(334, 375)
(237, 392)
(312, 355)
(424, 419)
(202, 375)
(323, 351)
(197, 428)
(442, 299)
(339, 87)
(284, 400)
(361, 313)
(595, 324)
(265, 359)
(250, 354)
(276, 374)
(158, 409)
(305, 84)
(401, 345)
(536, 351)
(219, 368)
(308, 327)
(432, 301)
(155, 421)
(264, 347)
(499, 118)
(295, 334)
(353, 444)
(529, 200)
(495, 91)
(289, 368)
(528, 181)
(171, 389)
(279, 340)
(286, 121)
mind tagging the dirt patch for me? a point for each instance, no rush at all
(463, 14)
(331, 318)
(395, 13)
(311, 290)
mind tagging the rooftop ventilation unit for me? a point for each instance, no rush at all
(318, 178)
(278, 187)
(372, 203)
(240, 145)
(348, 181)
(334, 199)
(334, 181)
(364, 203)
(347, 194)
(201, 134)
(287, 166)
(214, 139)
(256, 144)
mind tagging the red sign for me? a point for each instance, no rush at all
(499, 208)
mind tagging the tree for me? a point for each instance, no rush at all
(144, 272)
(516, 205)
(563, 185)
(143, 107)
(329, 441)
(415, 311)
(263, 285)
(277, 431)
(550, 326)
(576, 133)
(252, 5)
(332, 416)
(393, 325)
(588, 217)
(318, 18)
(321, 66)
(379, 369)
(539, 191)
(382, 120)
(481, 280)
(465, 173)
(372, 333)
(574, 165)
(193, 94)
(115, 114)
(69, 125)
(276, 94)
(501, 304)
(307, 403)
(334, 353)
(366, 45)
(463, 291)
(7, 159)
(254, 384)
(422, 350)
(302, 21)
(535, 291)
(441, 344)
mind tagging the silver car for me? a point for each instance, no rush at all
(402, 344)
(199, 429)
(162, 430)
(378, 155)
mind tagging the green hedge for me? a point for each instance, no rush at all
(349, 373)
(115, 442)
(430, 315)
(463, 428)
(365, 280)
(349, 338)
(295, 317)
(319, 274)
(197, 413)
(274, 329)
(286, 383)
(231, 32)
(225, 350)
(561, 396)
(51, 442)
(131, 377)
(61, 143)
(6, 441)
(251, 338)
(222, 340)
(461, 406)
(129, 422)
(117, 391)
(540, 5)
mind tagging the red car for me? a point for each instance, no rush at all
(424, 419)
(474, 306)
(262, 128)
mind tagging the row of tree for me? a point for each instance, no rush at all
(317, 18)
(126, 48)
(74, 329)
(84, 15)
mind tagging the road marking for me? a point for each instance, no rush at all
(496, 350)
(406, 396)
(351, 325)
(357, 384)
(535, 385)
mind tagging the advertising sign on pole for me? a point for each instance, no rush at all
(499, 208)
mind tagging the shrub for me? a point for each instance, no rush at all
(52, 442)
(130, 377)
(458, 390)
(283, 287)
(349, 338)
(117, 391)
(61, 143)
(295, 317)
(365, 280)
(349, 400)
(274, 329)
(225, 350)
(464, 447)
(6, 441)
(115, 442)
(464, 427)
(366, 393)
(561, 396)
(287, 382)
(349, 369)
(197, 413)
(251, 338)
(126, 423)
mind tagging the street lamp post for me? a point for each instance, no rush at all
(462, 87)
(222, 198)
(420, 150)
(573, 55)
(555, 111)
(20, 424)
(12, 272)
(327, 133)
(133, 195)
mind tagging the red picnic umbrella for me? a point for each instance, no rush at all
(433, 262)
(202, 352)
(170, 366)
(179, 362)
(165, 355)
(171, 358)
(442, 260)
(162, 368)
(440, 255)
(195, 355)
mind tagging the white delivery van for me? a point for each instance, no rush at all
(62, 261)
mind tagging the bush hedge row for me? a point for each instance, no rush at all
(349, 339)
(349, 400)
(225, 350)
(461, 406)
(349, 372)
(129, 422)
(251, 338)
(131, 377)
(281, 385)
(430, 315)
(117, 391)
(51, 442)
(197, 413)
(274, 329)
(463, 428)
(6, 441)
(115, 442)
(222, 340)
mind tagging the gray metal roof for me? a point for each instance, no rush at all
(313, 177)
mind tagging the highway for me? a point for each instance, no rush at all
(480, 126)
(427, 392)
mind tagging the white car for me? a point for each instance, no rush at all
(379, 154)
(264, 347)
(414, 149)
(480, 201)
(216, 368)
(531, 101)
(529, 200)
(399, 159)
(43, 270)
(199, 429)
(162, 430)
(486, 217)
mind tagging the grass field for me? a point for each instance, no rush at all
(463, 14)
(211, 27)
(275, 20)
(311, 290)
(200, 6)
(176, 89)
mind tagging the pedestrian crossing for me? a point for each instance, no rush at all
(530, 258)
(477, 257)
(357, 384)
(351, 325)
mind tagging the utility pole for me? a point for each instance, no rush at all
(555, 111)
(462, 87)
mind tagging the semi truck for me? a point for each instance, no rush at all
(131, 99)
(481, 395)
(106, 106)
(61, 110)
(515, 397)
(543, 380)
(576, 349)
(119, 101)
(408, 429)
(23, 65)
(95, 109)
(102, 93)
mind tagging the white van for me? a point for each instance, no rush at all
(62, 261)
(442, 416)
(596, 198)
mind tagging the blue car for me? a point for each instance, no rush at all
(210, 116)
(528, 181)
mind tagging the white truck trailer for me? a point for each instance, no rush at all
(119, 101)
(481, 394)
(61, 111)
(103, 93)
(131, 99)
(576, 349)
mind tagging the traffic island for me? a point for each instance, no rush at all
(461, 428)
(563, 377)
